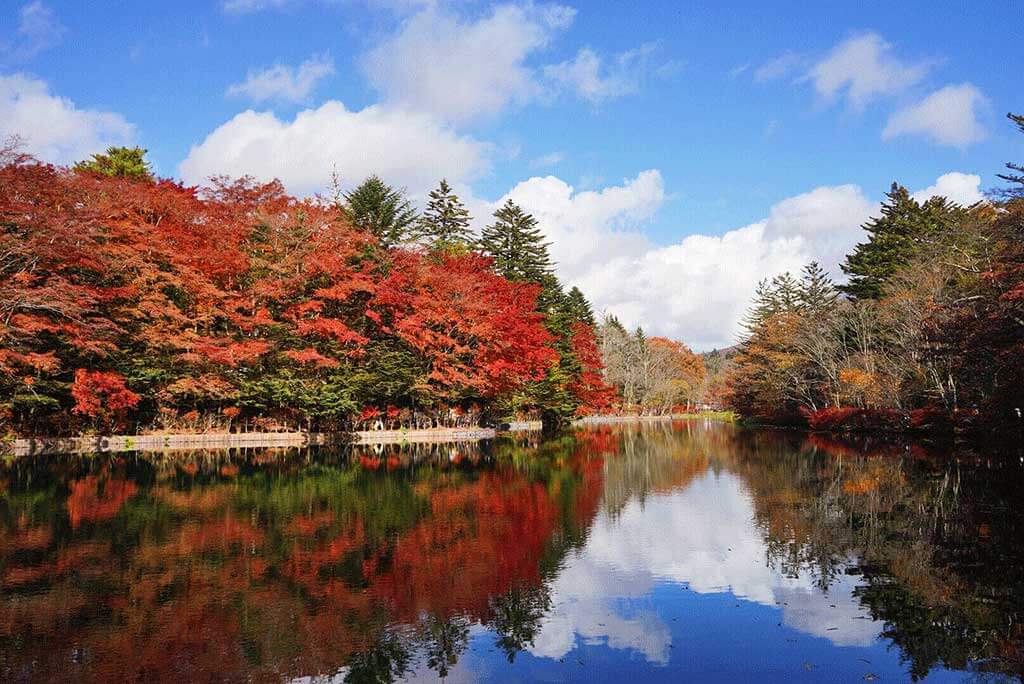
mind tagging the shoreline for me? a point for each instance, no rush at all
(39, 446)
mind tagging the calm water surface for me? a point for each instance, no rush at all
(692, 552)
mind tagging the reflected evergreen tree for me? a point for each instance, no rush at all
(444, 641)
(386, 661)
(517, 616)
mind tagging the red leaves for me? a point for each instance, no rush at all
(479, 332)
(201, 291)
(233, 353)
(311, 356)
(99, 393)
(594, 394)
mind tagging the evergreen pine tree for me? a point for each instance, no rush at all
(578, 306)
(815, 292)
(445, 223)
(129, 162)
(1016, 171)
(517, 245)
(381, 210)
(786, 292)
(762, 306)
(893, 238)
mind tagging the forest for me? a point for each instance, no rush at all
(130, 302)
(926, 333)
(135, 303)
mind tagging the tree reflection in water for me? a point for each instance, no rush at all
(375, 564)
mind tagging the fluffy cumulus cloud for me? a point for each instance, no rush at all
(599, 595)
(697, 289)
(590, 227)
(461, 68)
(948, 116)
(863, 67)
(410, 149)
(53, 128)
(962, 188)
(591, 80)
(286, 83)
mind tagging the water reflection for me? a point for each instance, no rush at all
(663, 550)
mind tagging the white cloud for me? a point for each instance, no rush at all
(280, 82)
(52, 127)
(590, 227)
(783, 65)
(863, 67)
(585, 75)
(948, 117)
(407, 148)
(460, 69)
(546, 160)
(962, 188)
(625, 558)
(697, 289)
(38, 29)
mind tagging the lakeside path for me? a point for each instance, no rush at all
(238, 440)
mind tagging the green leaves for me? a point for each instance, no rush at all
(516, 244)
(445, 223)
(378, 208)
(125, 162)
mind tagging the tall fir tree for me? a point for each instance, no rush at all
(578, 306)
(445, 223)
(381, 210)
(815, 292)
(893, 238)
(517, 245)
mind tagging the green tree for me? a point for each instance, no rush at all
(128, 162)
(816, 292)
(517, 245)
(445, 223)
(380, 209)
(893, 238)
(1015, 175)
(578, 306)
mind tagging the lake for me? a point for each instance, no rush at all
(688, 551)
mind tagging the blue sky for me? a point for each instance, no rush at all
(669, 150)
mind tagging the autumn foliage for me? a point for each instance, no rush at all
(927, 334)
(138, 301)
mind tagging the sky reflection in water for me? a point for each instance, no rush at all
(658, 552)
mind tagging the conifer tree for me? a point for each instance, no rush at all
(1015, 175)
(381, 210)
(517, 246)
(578, 306)
(445, 223)
(128, 162)
(815, 292)
(893, 238)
